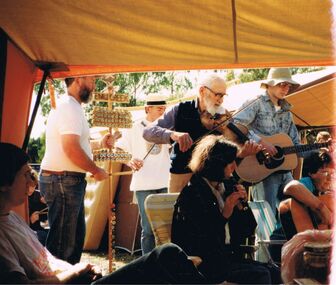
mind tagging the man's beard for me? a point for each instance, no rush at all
(85, 95)
(213, 109)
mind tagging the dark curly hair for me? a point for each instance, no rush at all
(315, 161)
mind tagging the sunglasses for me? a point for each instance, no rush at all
(284, 85)
(217, 94)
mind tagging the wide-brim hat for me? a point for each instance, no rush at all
(155, 100)
(278, 75)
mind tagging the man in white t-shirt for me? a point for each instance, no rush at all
(150, 164)
(67, 158)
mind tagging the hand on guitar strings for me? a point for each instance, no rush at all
(268, 148)
(250, 147)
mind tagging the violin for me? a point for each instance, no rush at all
(222, 123)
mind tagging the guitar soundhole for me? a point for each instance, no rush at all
(276, 160)
(279, 155)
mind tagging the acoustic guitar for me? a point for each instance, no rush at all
(255, 168)
(301, 217)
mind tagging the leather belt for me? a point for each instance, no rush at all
(62, 173)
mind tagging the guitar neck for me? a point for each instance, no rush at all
(304, 147)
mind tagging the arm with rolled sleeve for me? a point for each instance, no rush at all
(161, 132)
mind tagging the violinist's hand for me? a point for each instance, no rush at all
(183, 139)
(268, 148)
(135, 164)
(249, 148)
(234, 199)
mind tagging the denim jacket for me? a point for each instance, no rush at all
(261, 118)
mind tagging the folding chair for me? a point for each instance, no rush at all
(266, 223)
(159, 210)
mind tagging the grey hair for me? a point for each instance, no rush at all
(207, 81)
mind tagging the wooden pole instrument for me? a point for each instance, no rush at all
(113, 119)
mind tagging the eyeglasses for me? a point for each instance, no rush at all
(327, 173)
(217, 94)
(284, 85)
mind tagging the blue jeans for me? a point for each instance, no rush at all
(65, 199)
(269, 189)
(147, 236)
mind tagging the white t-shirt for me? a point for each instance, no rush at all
(68, 118)
(155, 171)
(20, 250)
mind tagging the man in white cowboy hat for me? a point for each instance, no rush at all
(150, 163)
(182, 126)
(268, 116)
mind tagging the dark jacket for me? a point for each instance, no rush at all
(187, 121)
(199, 228)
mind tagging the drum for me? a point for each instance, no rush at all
(316, 258)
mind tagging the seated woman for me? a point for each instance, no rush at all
(202, 211)
(313, 192)
(24, 260)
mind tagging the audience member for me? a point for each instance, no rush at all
(150, 163)
(24, 260)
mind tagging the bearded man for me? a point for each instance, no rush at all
(67, 159)
(182, 126)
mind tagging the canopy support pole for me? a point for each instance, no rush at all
(234, 28)
(36, 106)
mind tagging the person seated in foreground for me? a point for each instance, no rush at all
(202, 211)
(23, 259)
(308, 192)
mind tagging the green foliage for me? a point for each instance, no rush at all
(296, 70)
(45, 100)
(170, 81)
(250, 74)
(230, 75)
(36, 149)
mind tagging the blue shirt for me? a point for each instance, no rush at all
(261, 118)
(308, 183)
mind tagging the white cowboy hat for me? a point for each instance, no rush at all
(278, 75)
